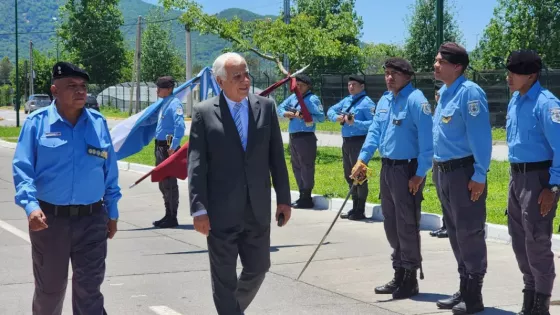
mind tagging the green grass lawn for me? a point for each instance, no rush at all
(10, 134)
(498, 134)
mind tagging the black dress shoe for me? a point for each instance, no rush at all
(347, 214)
(158, 222)
(357, 216)
(169, 223)
(442, 234)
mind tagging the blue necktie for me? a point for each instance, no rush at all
(239, 125)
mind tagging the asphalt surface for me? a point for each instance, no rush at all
(166, 272)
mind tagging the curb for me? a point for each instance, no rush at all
(428, 221)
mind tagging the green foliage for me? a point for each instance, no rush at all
(421, 44)
(159, 57)
(91, 34)
(6, 95)
(521, 24)
(328, 42)
(5, 69)
(375, 56)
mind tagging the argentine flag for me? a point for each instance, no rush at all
(133, 134)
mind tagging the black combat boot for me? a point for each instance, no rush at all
(541, 305)
(472, 300)
(294, 204)
(305, 201)
(359, 213)
(392, 285)
(528, 302)
(457, 298)
(408, 287)
(158, 222)
(354, 207)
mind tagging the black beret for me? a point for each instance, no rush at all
(399, 64)
(356, 78)
(165, 82)
(524, 62)
(303, 78)
(454, 53)
(65, 70)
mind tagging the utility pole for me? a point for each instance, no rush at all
(188, 62)
(138, 53)
(17, 67)
(31, 77)
(26, 75)
(439, 18)
(287, 21)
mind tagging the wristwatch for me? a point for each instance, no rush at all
(554, 188)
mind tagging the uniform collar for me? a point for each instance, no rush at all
(358, 95)
(404, 92)
(54, 116)
(534, 90)
(453, 87)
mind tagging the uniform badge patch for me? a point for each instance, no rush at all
(320, 106)
(179, 110)
(446, 119)
(97, 152)
(555, 115)
(426, 108)
(474, 108)
(372, 110)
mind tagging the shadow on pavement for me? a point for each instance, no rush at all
(273, 249)
(189, 227)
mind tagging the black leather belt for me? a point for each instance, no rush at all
(71, 210)
(392, 162)
(301, 134)
(531, 166)
(451, 165)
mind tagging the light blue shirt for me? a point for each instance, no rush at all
(462, 126)
(171, 121)
(314, 107)
(533, 129)
(244, 114)
(401, 129)
(363, 114)
(63, 164)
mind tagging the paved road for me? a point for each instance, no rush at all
(499, 151)
(165, 272)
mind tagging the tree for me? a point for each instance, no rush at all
(319, 41)
(375, 56)
(91, 34)
(5, 70)
(159, 57)
(521, 24)
(421, 44)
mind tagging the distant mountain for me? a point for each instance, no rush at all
(36, 23)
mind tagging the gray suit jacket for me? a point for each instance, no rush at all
(223, 178)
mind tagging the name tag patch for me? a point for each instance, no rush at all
(97, 152)
(52, 134)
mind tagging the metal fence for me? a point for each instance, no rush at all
(334, 88)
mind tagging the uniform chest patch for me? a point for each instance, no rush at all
(52, 134)
(474, 107)
(426, 108)
(555, 115)
(97, 152)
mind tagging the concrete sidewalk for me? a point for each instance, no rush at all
(153, 271)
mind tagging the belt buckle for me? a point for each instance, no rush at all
(74, 211)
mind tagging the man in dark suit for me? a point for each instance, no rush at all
(235, 147)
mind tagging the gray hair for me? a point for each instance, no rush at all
(218, 68)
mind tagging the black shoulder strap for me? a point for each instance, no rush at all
(303, 97)
(356, 101)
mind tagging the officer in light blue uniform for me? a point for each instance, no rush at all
(462, 153)
(66, 179)
(402, 131)
(303, 142)
(169, 132)
(533, 137)
(355, 114)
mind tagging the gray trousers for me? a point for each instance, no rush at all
(303, 151)
(465, 220)
(401, 212)
(82, 240)
(168, 186)
(351, 147)
(530, 232)
(434, 180)
(251, 242)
